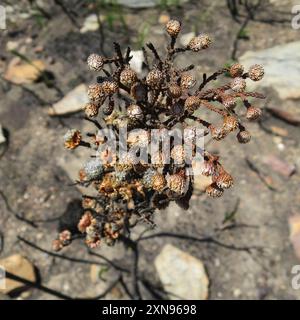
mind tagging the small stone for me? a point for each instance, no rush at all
(186, 38)
(181, 274)
(23, 73)
(294, 224)
(163, 18)
(19, 266)
(136, 63)
(72, 102)
(279, 131)
(91, 23)
(280, 166)
(2, 137)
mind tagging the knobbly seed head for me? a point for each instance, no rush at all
(214, 191)
(178, 154)
(72, 139)
(217, 133)
(173, 28)
(158, 182)
(135, 112)
(176, 183)
(154, 78)
(208, 168)
(229, 102)
(93, 169)
(192, 103)
(187, 81)
(110, 87)
(238, 84)
(175, 90)
(128, 77)
(224, 180)
(236, 70)
(230, 123)
(200, 42)
(256, 72)
(243, 136)
(91, 110)
(95, 92)
(253, 113)
(95, 62)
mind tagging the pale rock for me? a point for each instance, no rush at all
(91, 23)
(146, 3)
(185, 38)
(12, 45)
(74, 101)
(19, 266)
(280, 166)
(137, 60)
(182, 275)
(294, 224)
(22, 72)
(2, 137)
(282, 68)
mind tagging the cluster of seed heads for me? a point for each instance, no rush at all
(165, 97)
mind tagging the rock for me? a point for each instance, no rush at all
(146, 3)
(185, 38)
(2, 137)
(91, 23)
(280, 166)
(12, 45)
(72, 102)
(19, 266)
(163, 18)
(137, 60)
(279, 131)
(282, 68)
(294, 224)
(23, 73)
(182, 275)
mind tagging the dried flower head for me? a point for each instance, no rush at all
(203, 41)
(236, 70)
(91, 110)
(192, 103)
(238, 84)
(154, 78)
(95, 62)
(177, 183)
(173, 28)
(175, 90)
(110, 87)
(135, 112)
(95, 92)
(128, 77)
(243, 136)
(187, 81)
(253, 113)
(256, 72)
(214, 191)
(72, 139)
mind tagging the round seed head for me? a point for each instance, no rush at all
(192, 103)
(57, 245)
(253, 113)
(158, 182)
(214, 191)
(85, 221)
(243, 136)
(187, 81)
(236, 70)
(224, 180)
(93, 169)
(147, 177)
(91, 110)
(208, 168)
(135, 112)
(256, 72)
(139, 138)
(217, 133)
(72, 138)
(178, 154)
(154, 78)
(229, 102)
(230, 123)
(200, 42)
(65, 237)
(128, 77)
(176, 183)
(95, 62)
(175, 91)
(173, 28)
(109, 87)
(238, 84)
(95, 92)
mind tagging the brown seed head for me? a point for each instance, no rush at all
(95, 62)
(128, 77)
(224, 180)
(154, 78)
(91, 110)
(173, 28)
(95, 92)
(253, 113)
(158, 182)
(178, 154)
(200, 42)
(175, 91)
(236, 70)
(230, 123)
(72, 138)
(192, 103)
(238, 84)
(176, 183)
(243, 136)
(110, 87)
(229, 102)
(187, 81)
(256, 72)
(217, 133)
(214, 191)
(135, 112)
